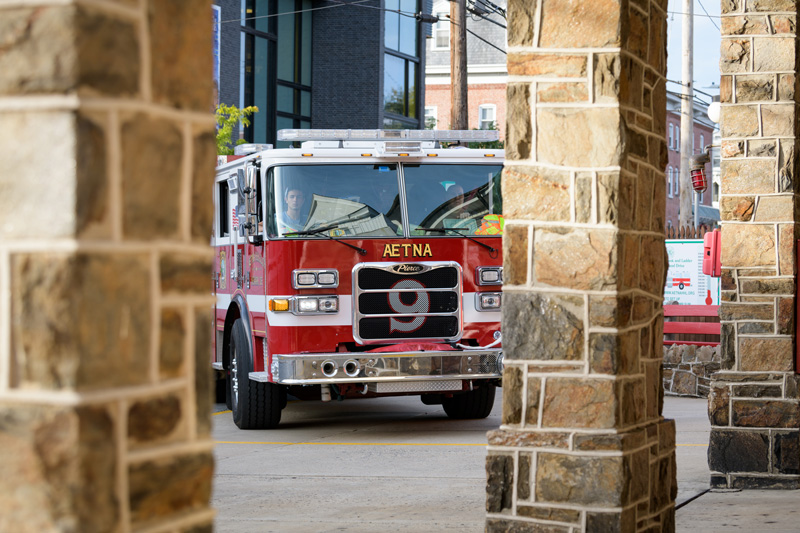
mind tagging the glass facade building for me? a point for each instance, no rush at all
(322, 64)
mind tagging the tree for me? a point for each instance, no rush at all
(228, 116)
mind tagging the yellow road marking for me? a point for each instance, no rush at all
(221, 412)
(368, 443)
(347, 443)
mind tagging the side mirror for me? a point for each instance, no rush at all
(250, 191)
(246, 208)
(240, 191)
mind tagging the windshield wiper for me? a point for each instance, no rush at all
(458, 231)
(319, 230)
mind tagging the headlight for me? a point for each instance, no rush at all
(488, 301)
(329, 304)
(328, 278)
(307, 305)
(306, 279)
(314, 279)
(489, 275)
(315, 305)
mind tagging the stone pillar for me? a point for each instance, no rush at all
(583, 445)
(106, 165)
(753, 404)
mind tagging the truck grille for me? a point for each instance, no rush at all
(407, 301)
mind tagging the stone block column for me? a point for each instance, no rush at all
(753, 404)
(583, 445)
(106, 169)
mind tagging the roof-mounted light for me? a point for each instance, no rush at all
(301, 135)
(247, 149)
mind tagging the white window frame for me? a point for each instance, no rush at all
(443, 26)
(677, 138)
(433, 112)
(676, 189)
(702, 142)
(669, 182)
(487, 107)
(671, 139)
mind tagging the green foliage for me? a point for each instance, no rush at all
(491, 145)
(228, 116)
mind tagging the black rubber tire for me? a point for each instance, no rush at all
(255, 405)
(476, 403)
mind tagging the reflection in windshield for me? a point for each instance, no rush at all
(363, 200)
(466, 197)
(354, 200)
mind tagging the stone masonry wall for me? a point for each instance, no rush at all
(753, 405)
(106, 161)
(687, 369)
(583, 445)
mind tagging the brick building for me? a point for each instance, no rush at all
(703, 136)
(486, 68)
(366, 70)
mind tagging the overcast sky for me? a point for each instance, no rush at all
(706, 45)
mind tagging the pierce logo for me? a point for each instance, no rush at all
(408, 269)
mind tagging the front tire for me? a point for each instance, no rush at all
(476, 403)
(255, 405)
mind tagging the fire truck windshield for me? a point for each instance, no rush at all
(460, 196)
(363, 200)
(354, 200)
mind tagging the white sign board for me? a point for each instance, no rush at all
(686, 283)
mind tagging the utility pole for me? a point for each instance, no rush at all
(687, 115)
(458, 65)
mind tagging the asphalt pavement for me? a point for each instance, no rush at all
(394, 464)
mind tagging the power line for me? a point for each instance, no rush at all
(358, 3)
(487, 42)
(478, 37)
(707, 15)
(494, 8)
(695, 90)
(487, 19)
(339, 3)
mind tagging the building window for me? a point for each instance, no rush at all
(431, 117)
(702, 142)
(441, 32)
(257, 81)
(676, 187)
(294, 67)
(677, 138)
(671, 140)
(486, 116)
(400, 65)
(669, 182)
(714, 192)
(276, 67)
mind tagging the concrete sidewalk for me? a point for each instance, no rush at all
(394, 464)
(700, 509)
(747, 510)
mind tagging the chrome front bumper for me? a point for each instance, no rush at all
(361, 367)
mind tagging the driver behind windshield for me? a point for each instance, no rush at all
(292, 217)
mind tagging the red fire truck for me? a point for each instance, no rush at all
(363, 263)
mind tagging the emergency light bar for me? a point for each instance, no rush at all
(389, 135)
